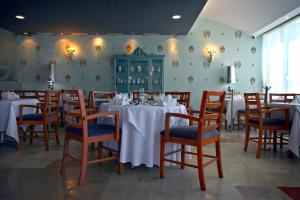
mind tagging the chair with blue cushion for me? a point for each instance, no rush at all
(45, 115)
(259, 117)
(85, 129)
(198, 136)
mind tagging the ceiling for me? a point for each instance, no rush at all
(250, 16)
(100, 16)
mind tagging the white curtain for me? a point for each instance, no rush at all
(281, 57)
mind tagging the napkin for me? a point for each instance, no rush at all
(120, 99)
(163, 100)
(10, 96)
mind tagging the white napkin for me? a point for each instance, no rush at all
(163, 100)
(120, 99)
(237, 97)
(10, 95)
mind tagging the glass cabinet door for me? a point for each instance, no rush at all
(157, 75)
(138, 77)
(121, 76)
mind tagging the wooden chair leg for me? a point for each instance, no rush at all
(100, 155)
(259, 144)
(162, 157)
(17, 146)
(238, 121)
(45, 131)
(274, 140)
(219, 161)
(83, 163)
(182, 156)
(57, 134)
(65, 152)
(23, 135)
(200, 168)
(31, 136)
(247, 129)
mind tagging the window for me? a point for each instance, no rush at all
(281, 57)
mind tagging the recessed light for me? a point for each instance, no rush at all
(176, 17)
(286, 17)
(25, 33)
(19, 17)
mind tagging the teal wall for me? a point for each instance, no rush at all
(8, 51)
(186, 68)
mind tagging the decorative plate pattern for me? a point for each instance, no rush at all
(237, 64)
(68, 77)
(175, 63)
(97, 77)
(37, 78)
(191, 79)
(82, 62)
(222, 49)
(253, 50)
(191, 49)
(222, 79)
(238, 34)
(252, 80)
(206, 33)
(160, 48)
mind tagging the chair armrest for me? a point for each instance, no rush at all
(91, 110)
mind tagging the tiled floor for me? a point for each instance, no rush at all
(32, 173)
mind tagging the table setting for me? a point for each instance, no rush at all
(141, 123)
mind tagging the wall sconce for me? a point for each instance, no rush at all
(70, 51)
(98, 48)
(210, 55)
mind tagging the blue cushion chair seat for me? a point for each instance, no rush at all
(37, 117)
(269, 121)
(95, 129)
(190, 132)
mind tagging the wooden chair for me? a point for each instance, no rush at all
(20, 93)
(96, 98)
(30, 94)
(79, 129)
(150, 95)
(259, 117)
(183, 98)
(46, 114)
(198, 136)
(281, 97)
(41, 95)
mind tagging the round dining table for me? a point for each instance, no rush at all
(141, 126)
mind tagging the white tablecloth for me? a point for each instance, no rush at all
(9, 110)
(294, 117)
(141, 127)
(238, 104)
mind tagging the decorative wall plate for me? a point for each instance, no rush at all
(37, 78)
(82, 62)
(191, 49)
(68, 77)
(191, 79)
(238, 34)
(252, 80)
(222, 79)
(237, 64)
(206, 33)
(222, 49)
(160, 48)
(175, 63)
(253, 50)
(97, 77)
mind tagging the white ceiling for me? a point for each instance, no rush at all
(249, 16)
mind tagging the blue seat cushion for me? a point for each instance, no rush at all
(190, 132)
(95, 129)
(269, 121)
(37, 117)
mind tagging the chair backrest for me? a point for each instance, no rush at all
(211, 109)
(74, 108)
(30, 94)
(150, 95)
(51, 103)
(96, 98)
(252, 106)
(183, 98)
(282, 97)
(20, 93)
(41, 95)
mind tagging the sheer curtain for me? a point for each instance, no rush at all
(281, 57)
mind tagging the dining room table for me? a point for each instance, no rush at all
(9, 109)
(141, 126)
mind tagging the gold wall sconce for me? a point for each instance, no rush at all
(210, 54)
(70, 51)
(98, 48)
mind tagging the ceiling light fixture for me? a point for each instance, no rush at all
(25, 33)
(19, 17)
(176, 17)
